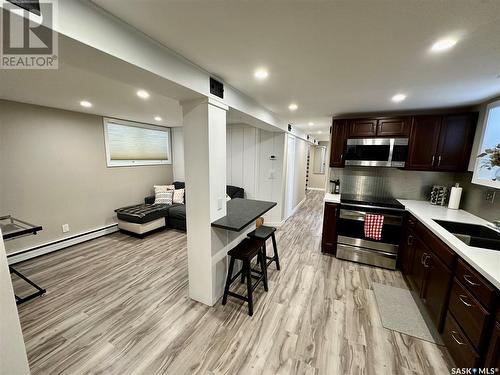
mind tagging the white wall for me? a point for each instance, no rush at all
(249, 165)
(296, 172)
(178, 154)
(271, 178)
(13, 358)
(242, 163)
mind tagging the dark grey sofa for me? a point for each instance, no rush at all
(175, 215)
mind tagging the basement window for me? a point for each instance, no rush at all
(132, 144)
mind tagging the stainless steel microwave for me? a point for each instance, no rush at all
(377, 152)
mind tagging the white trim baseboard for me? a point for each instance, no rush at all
(296, 208)
(36, 251)
(319, 189)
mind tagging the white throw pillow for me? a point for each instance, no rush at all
(163, 194)
(179, 196)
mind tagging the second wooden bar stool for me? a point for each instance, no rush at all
(262, 233)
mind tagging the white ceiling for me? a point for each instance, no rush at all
(333, 57)
(108, 83)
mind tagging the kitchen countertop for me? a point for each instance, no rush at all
(332, 198)
(485, 261)
(242, 212)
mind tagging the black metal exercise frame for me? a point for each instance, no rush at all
(29, 229)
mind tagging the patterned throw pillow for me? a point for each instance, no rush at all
(163, 194)
(179, 196)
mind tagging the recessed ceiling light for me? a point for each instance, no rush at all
(293, 107)
(443, 44)
(86, 104)
(261, 74)
(143, 94)
(158, 118)
(398, 98)
(320, 132)
(311, 124)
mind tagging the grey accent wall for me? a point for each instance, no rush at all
(53, 172)
(473, 199)
(389, 182)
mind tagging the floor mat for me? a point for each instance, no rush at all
(402, 311)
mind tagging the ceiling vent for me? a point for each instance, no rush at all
(216, 88)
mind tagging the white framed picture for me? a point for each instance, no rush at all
(487, 167)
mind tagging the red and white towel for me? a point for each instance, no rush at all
(373, 226)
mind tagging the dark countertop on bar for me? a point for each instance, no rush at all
(242, 212)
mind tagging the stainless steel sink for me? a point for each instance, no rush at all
(473, 234)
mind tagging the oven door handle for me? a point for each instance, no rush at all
(360, 215)
(401, 210)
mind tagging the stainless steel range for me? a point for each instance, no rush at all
(351, 241)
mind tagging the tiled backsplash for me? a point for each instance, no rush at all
(388, 182)
(473, 199)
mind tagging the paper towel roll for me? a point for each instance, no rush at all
(455, 195)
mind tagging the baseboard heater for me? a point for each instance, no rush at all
(36, 251)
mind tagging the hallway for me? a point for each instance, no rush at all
(119, 305)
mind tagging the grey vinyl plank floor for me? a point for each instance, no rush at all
(120, 305)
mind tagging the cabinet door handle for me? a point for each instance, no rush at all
(467, 278)
(409, 241)
(422, 258)
(461, 298)
(452, 333)
(439, 160)
(341, 156)
(433, 158)
(426, 264)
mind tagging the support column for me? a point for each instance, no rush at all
(205, 171)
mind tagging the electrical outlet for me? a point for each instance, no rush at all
(490, 196)
(65, 228)
(219, 203)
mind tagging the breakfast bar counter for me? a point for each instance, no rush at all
(241, 213)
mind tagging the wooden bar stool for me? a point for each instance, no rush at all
(245, 251)
(262, 233)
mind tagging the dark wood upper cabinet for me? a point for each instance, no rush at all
(455, 142)
(440, 142)
(424, 139)
(339, 136)
(329, 237)
(363, 128)
(394, 127)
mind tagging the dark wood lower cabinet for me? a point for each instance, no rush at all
(436, 288)
(459, 300)
(406, 253)
(493, 356)
(469, 314)
(329, 237)
(418, 271)
(458, 345)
